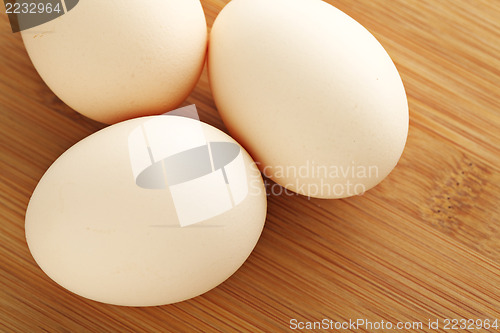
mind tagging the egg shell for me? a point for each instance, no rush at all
(115, 60)
(99, 232)
(311, 94)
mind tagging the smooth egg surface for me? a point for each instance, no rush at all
(115, 60)
(150, 211)
(311, 94)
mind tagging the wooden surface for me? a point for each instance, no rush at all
(425, 244)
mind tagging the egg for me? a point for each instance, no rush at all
(150, 211)
(310, 93)
(115, 60)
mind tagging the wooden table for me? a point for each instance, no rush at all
(424, 244)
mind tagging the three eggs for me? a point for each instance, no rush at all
(165, 207)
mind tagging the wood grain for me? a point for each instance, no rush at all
(424, 244)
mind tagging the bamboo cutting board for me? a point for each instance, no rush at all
(423, 245)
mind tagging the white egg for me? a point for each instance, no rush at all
(146, 212)
(310, 93)
(114, 60)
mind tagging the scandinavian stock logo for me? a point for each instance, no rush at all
(204, 178)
